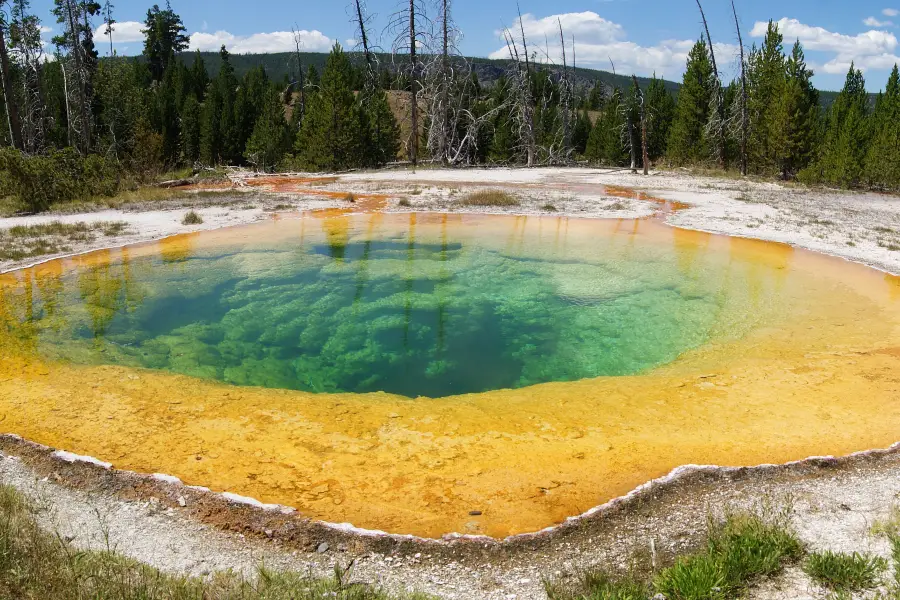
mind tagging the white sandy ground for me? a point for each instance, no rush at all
(859, 227)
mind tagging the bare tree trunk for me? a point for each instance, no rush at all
(566, 93)
(302, 86)
(62, 67)
(745, 120)
(720, 133)
(644, 154)
(12, 109)
(414, 87)
(529, 109)
(75, 40)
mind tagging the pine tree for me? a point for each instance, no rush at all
(606, 143)
(164, 38)
(231, 149)
(199, 77)
(191, 119)
(794, 118)
(687, 137)
(660, 114)
(581, 132)
(882, 167)
(271, 136)
(383, 139)
(210, 134)
(331, 137)
(766, 78)
(846, 134)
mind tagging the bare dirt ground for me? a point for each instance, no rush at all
(834, 505)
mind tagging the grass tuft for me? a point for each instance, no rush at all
(404, 202)
(549, 208)
(350, 197)
(192, 218)
(37, 565)
(29, 241)
(490, 198)
(740, 549)
(845, 572)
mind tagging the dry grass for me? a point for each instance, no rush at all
(36, 565)
(29, 241)
(490, 198)
(192, 218)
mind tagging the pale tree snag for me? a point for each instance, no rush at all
(745, 119)
(528, 105)
(408, 35)
(12, 109)
(718, 122)
(301, 85)
(414, 87)
(644, 154)
(565, 91)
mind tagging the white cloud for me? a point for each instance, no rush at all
(869, 50)
(598, 40)
(126, 31)
(890, 12)
(873, 22)
(277, 41)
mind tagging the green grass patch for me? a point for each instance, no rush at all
(29, 241)
(740, 549)
(548, 208)
(192, 218)
(404, 202)
(490, 198)
(845, 572)
(37, 565)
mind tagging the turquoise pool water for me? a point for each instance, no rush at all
(413, 306)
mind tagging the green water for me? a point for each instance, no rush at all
(365, 305)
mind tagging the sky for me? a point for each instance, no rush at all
(641, 37)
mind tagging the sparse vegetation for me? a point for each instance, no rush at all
(740, 549)
(548, 208)
(490, 198)
(34, 564)
(404, 202)
(845, 572)
(29, 241)
(350, 197)
(192, 218)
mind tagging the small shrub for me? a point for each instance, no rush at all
(61, 176)
(490, 198)
(192, 218)
(404, 202)
(548, 208)
(350, 197)
(845, 572)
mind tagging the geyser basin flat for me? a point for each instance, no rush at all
(235, 359)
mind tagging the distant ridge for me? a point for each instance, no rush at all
(283, 64)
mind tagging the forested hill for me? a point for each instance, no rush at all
(284, 64)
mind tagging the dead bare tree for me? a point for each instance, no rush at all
(409, 25)
(566, 93)
(744, 116)
(109, 22)
(301, 84)
(75, 19)
(643, 116)
(716, 125)
(12, 109)
(522, 99)
(27, 50)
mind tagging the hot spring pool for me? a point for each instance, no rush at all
(401, 371)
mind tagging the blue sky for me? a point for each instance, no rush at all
(643, 37)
